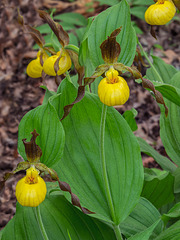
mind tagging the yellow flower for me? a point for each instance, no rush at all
(34, 68)
(31, 189)
(160, 13)
(113, 89)
(64, 63)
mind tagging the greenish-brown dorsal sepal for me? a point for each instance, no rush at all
(56, 28)
(33, 151)
(110, 48)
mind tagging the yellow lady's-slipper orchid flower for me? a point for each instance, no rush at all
(31, 189)
(113, 89)
(64, 63)
(34, 68)
(160, 13)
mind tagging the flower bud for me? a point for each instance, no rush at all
(34, 68)
(31, 189)
(160, 13)
(64, 63)
(113, 89)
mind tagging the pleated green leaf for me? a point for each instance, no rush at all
(171, 233)
(51, 133)
(61, 221)
(158, 187)
(81, 166)
(143, 217)
(102, 27)
(169, 127)
(176, 175)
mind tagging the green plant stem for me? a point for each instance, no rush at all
(39, 220)
(103, 161)
(150, 63)
(118, 232)
(105, 176)
(73, 48)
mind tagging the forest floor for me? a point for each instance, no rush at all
(20, 93)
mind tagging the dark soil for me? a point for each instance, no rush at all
(19, 93)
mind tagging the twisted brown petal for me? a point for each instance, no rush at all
(80, 95)
(63, 186)
(159, 98)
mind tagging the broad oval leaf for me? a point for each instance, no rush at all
(81, 166)
(169, 128)
(101, 27)
(61, 221)
(51, 133)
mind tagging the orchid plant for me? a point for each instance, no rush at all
(98, 187)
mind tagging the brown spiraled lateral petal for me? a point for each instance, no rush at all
(33, 151)
(63, 186)
(136, 74)
(136, 60)
(36, 35)
(80, 69)
(153, 33)
(20, 166)
(74, 199)
(140, 58)
(80, 95)
(98, 72)
(110, 49)
(148, 84)
(5, 178)
(38, 38)
(121, 67)
(159, 98)
(56, 28)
